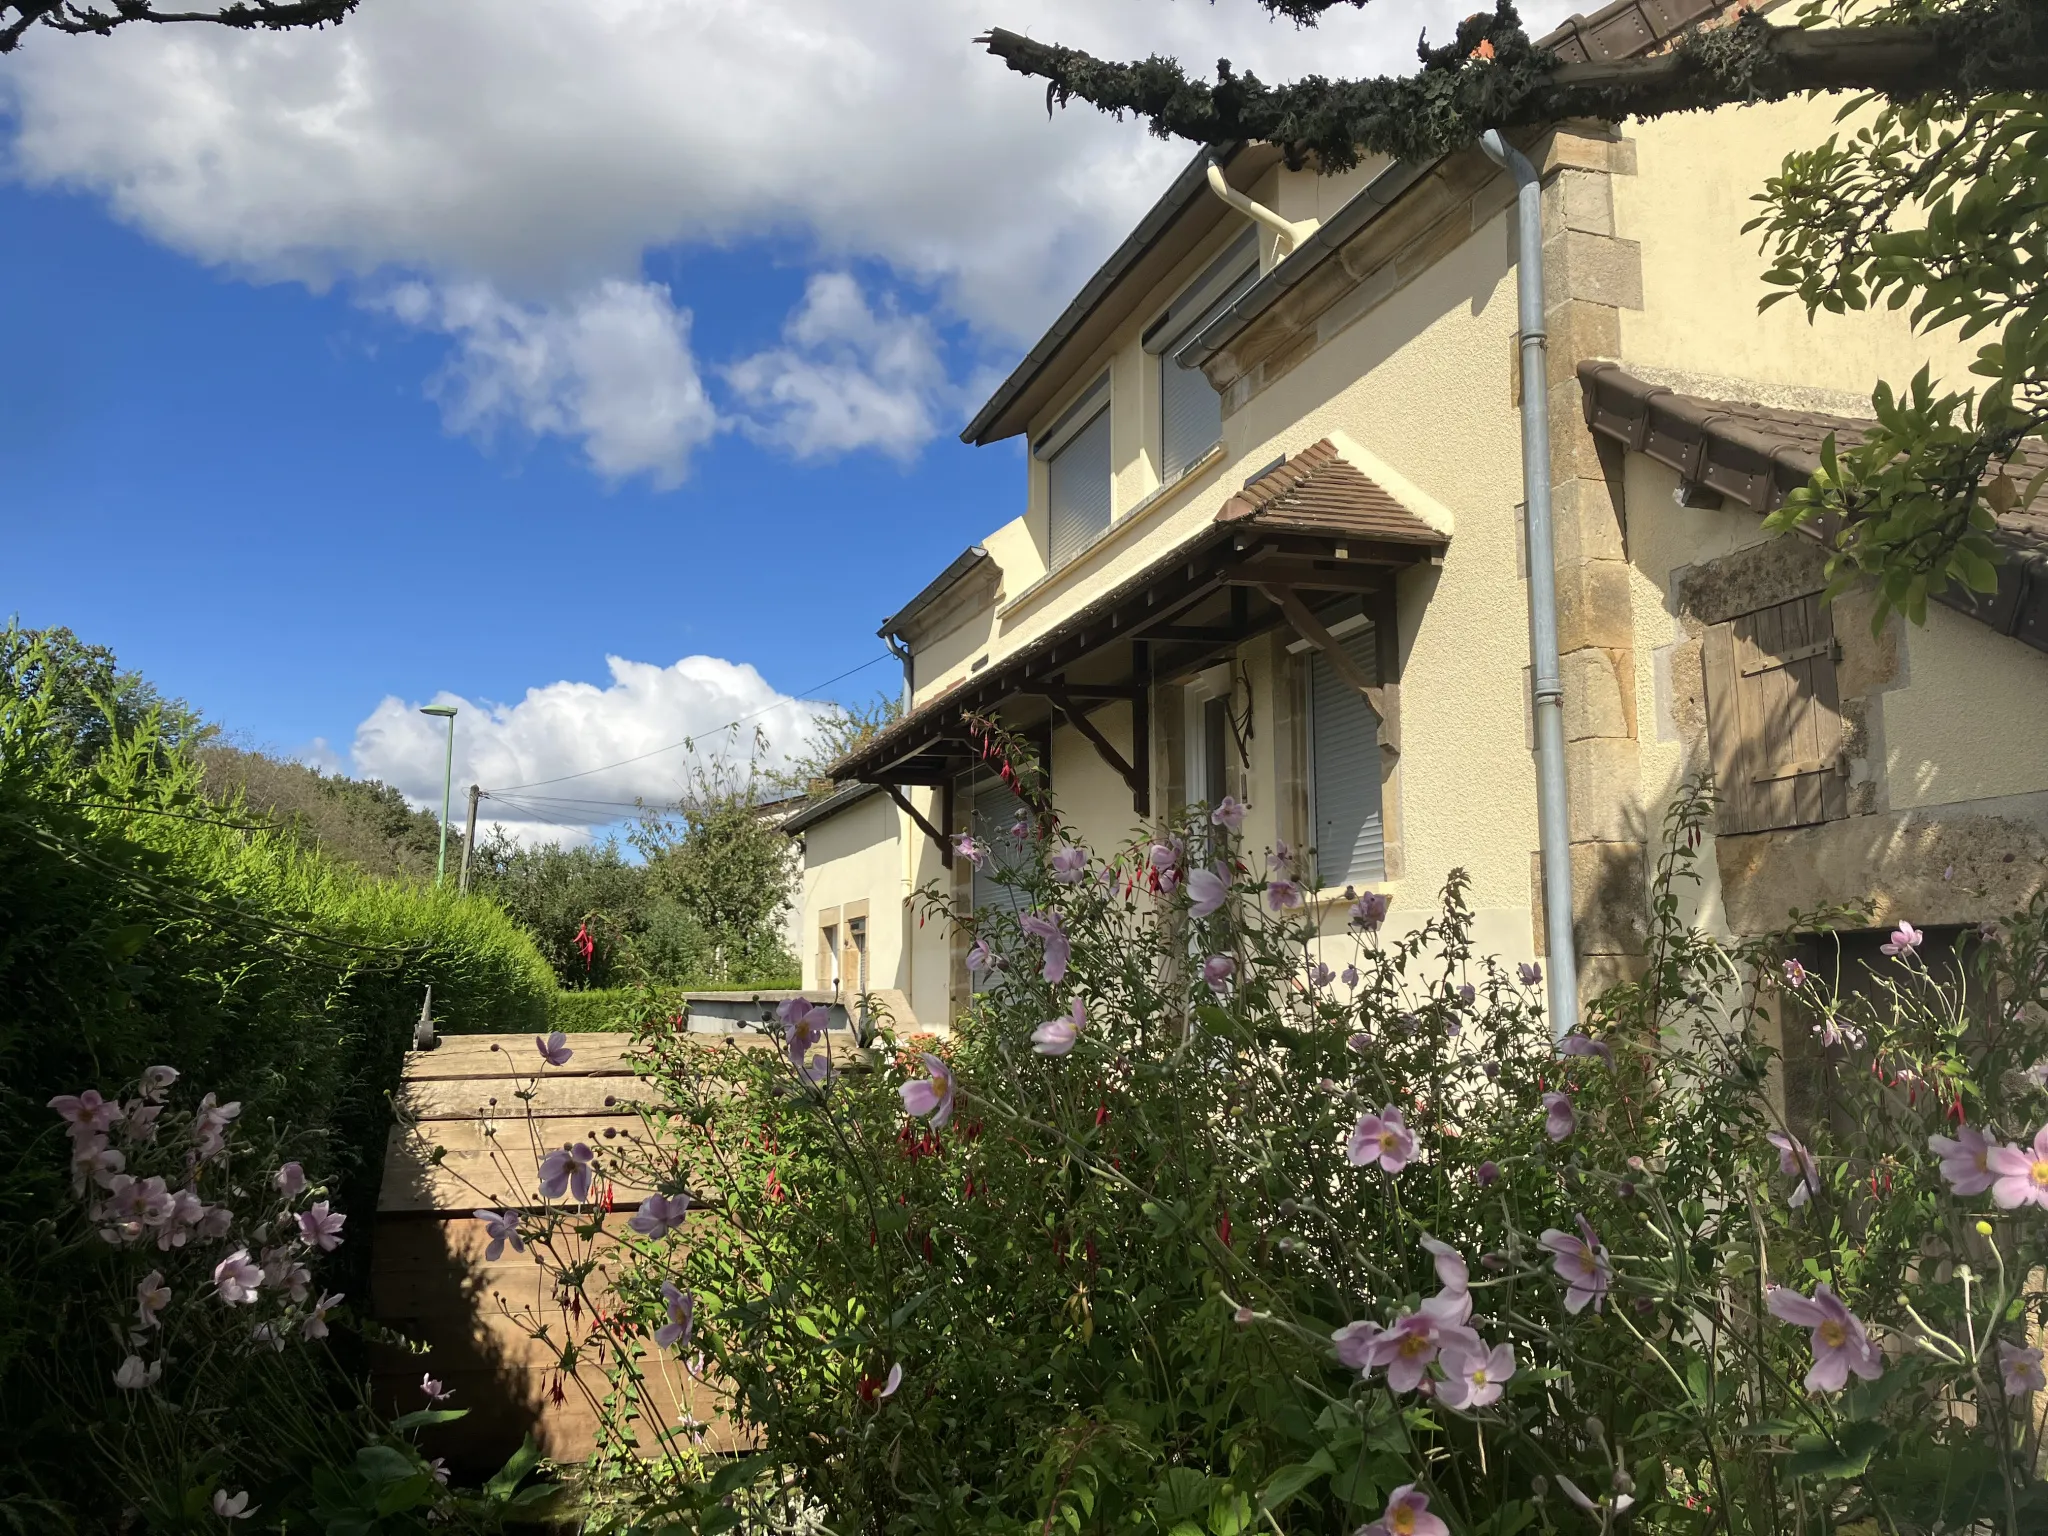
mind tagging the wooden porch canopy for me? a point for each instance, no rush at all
(1302, 529)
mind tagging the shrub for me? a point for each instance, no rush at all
(1189, 1230)
(142, 923)
(599, 1009)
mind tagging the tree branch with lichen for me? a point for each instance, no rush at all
(18, 16)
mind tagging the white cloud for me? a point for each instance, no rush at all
(522, 158)
(540, 751)
(846, 378)
(610, 367)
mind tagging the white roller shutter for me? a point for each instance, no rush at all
(1078, 492)
(1344, 777)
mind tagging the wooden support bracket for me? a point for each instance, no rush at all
(1384, 702)
(1078, 718)
(945, 843)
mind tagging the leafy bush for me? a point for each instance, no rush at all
(141, 923)
(607, 1009)
(1188, 1231)
(356, 821)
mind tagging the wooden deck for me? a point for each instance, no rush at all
(477, 1320)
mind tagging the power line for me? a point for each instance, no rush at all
(691, 740)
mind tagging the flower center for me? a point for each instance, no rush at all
(1415, 1344)
(1833, 1334)
(2038, 1172)
(1479, 1377)
(1389, 1140)
(1402, 1521)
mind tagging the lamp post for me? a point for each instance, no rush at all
(447, 711)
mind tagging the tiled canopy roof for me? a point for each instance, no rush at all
(1320, 491)
(1754, 455)
(1313, 511)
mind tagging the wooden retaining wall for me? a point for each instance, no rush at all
(431, 1281)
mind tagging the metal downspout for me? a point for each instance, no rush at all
(1552, 823)
(903, 654)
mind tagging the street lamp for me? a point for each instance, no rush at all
(447, 711)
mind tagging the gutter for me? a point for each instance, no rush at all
(1553, 824)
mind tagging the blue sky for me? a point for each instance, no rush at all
(510, 354)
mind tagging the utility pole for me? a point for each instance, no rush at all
(468, 841)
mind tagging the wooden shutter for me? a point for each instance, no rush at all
(1344, 769)
(1774, 718)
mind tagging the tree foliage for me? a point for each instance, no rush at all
(18, 16)
(842, 730)
(1934, 206)
(363, 822)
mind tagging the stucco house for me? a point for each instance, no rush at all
(1271, 546)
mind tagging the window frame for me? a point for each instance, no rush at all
(1089, 408)
(1364, 621)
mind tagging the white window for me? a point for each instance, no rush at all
(1190, 410)
(1076, 457)
(1210, 737)
(1346, 829)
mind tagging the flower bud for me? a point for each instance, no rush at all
(1539, 1485)
(1983, 1229)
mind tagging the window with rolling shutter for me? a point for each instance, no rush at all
(996, 809)
(1774, 718)
(1347, 831)
(1190, 410)
(1078, 483)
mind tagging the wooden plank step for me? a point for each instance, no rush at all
(466, 1098)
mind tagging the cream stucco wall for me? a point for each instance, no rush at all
(1971, 722)
(855, 856)
(1696, 176)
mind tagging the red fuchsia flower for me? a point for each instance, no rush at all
(1904, 940)
(1583, 1045)
(1381, 1141)
(237, 1278)
(1405, 1350)
(1069, 863)
(86, 1114)
(1582, 1263)
(1355, 1343)
(1229, 813)
(290, 1180)
(434, 1390)
(1559, 1118)
(1529, 974)
(1965, 1161)
(967, 848)
(1841, 1344)
(567, 1168)
(1056, 1037)
(1793, 1158)
(501, 1227)
(1475, 1378)
(1058, 947)
(315, 1326)
(1795, 973)
(586, 946)
(681, 1307)
(321, 1227)
(2021, 1173)
(151, 1297)
(932, 1095)
(132, 1375)
(1282, 895)
(1207, 891)
(1369, 911)
(1407, 1514)
(659, 1215)
(1217, 971)
(2021, 1368)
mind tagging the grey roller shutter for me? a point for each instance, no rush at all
(1344, 782)
(1191, 417)
(996, 810)
(1078, 492)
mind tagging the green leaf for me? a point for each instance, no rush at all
(421, 1417)
(1184, 1492)
(1293, 1478)
(734, 1475)
(1846, 1455)
(383, 1464)
(510, 1475)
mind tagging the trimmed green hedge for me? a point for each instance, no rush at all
(599, 1008)
(142, 923)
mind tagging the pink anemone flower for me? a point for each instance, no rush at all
(554, 1049)
(1058, 947)
(1405, 1350)
(2021, 1173)
(681, 1307)
(931, 1095)
(1381, 1141)
(1476, 1378)
(1229, 813)
(568, 1169)
(1793, 1158)
(1207, 892)
(1841, 1344)
(321, 1227)
(501, 1227)
(2021, 1368)
(1407, 1514)
(1582, 1263)
(659, 1215)
(1904, 940)
(1965, 1160)
(1559, 1118)
(1056, 1037)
